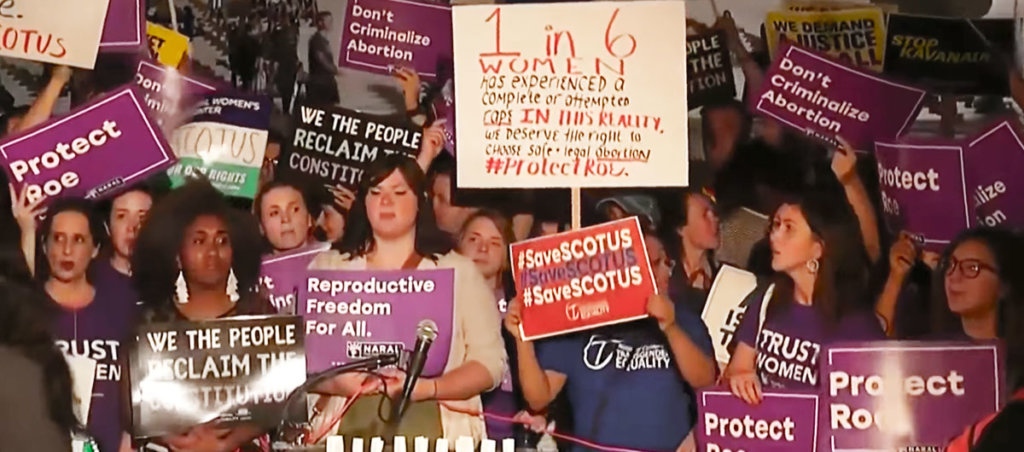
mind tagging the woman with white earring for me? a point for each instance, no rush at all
(818, 295)
(198, 259)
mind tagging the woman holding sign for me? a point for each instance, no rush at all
(197, 259)
(392, 227)
(817, 296)
(644, 371)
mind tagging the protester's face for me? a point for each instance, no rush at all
(70, 246)
(482, 242)
(614, 212)
(548, 228)
(701, 223)
(450, 218)
(792, 242)
(126, 215)
(967, 296)
(661, 264)
(286, 221)
(332, 221)
(206, 253)
(324, 23)
(725, 124)
(391, 207)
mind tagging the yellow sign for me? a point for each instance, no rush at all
(854, 36)
(165, 45)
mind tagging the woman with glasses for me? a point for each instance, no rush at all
(980, 277)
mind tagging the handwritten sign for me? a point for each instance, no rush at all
(582, 279)
(855, 37)
(351, 315)
(122, 29)
(52, 31)
(231, 371)
(336, 145)
(907, 396)
(924, 191)
(994, 163)
(225, 141)
(708, 70)
(168, 93)
(950, 55)
(380, 35)
(582, 98)
(782, 422)
(825, 99)
(165, 45)
(93, 152)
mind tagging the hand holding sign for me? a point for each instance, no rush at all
(431, 144)
(513, 317)
(409, 81)
(661, 309)
(25, 211)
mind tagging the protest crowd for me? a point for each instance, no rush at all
(803, 232)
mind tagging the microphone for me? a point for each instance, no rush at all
(426, 332)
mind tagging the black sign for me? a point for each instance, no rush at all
(335, 145)
(950, 55)
(229, 371)
(708, 69)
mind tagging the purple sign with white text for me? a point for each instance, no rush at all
(907, 395)
(782, 422)
(995, 163)
(380, 35)
(95, 151)
(924, 191)
(169, 94)
(281, 275)
(351, 315)
(826, 99)
(123, 29)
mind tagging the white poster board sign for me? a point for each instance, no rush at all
(724, 309)
(52, 31)
(571, 94)
(83, 375)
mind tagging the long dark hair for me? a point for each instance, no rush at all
(155, 260)
(842, 278)
(77, 205)
(26, 315)
(358, 238)
(1006, 248)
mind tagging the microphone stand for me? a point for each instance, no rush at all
(364, 365)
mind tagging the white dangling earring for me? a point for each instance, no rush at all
(233, 287)
(813, 265)
(181, 288)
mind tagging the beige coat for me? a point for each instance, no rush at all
(477, 335)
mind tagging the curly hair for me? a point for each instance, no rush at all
(358, 238)
(155, 262)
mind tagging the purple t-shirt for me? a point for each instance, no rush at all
(97, 332)
(790, 342)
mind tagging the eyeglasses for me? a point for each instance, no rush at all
(969, 268)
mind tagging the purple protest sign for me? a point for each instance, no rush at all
(169, 94)
(994, 163)
(351, 315)
(903, 395)
(380, 35)
(94, 151)
(123, 28)
(282, 275)
(782, 422)
(924, 191)
(826, 99)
